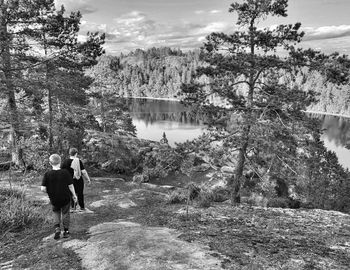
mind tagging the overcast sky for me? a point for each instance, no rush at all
(131, 24)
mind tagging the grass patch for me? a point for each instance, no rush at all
(17, 213)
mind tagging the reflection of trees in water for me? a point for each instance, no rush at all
(152, 111)
(178, 117)
(336, 129)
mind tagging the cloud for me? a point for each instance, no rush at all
(214, 11)
(340, 44)
(136, 30)
(92, 27)
(84, 6)
(326, 32)
(199, 12)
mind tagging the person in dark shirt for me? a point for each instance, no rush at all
(78, 172)
(58, 184)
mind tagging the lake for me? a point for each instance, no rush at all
(153, 117)
(336, 136)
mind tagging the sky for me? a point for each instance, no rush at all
(184, 24)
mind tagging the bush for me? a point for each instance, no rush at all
(17, 213)
(177, 196)
(255, 199)
(6, 193)
(193, 190)
(204, 199)
(283, 202)
(278, 202)
(220, 194)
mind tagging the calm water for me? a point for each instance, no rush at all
(336, 137)
(153, 117)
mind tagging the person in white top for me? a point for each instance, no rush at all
(78, 172)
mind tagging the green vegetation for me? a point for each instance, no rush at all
(156, 72)
(260, 123)
(44, 87)
(17, 213)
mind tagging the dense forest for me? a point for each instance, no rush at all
(156, 72)
(160, 72)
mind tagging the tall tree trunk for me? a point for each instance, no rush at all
(49, 95)
(236, 179)
(8, 82)
(103, 117)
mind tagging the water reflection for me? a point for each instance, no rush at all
(336, 136)
(153, 117)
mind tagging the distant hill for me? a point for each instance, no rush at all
(159, 73)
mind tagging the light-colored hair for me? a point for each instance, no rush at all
(73, 151)
(55, 159)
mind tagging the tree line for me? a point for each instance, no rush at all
(156, 72)
(43, 80)
(160, 72)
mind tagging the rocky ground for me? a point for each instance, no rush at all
(131, 226)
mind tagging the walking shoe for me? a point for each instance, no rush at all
(66, 234)
(57, 234)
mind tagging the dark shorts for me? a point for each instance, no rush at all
(56, 208)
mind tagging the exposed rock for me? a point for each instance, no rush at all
(140, 178)
(216, 179)
(227, 169)
(202, 167)
(148, 248)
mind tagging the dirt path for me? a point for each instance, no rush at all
(123, 244)
(108, 235)
(132, 227)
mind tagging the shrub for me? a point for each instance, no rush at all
(220, 194)
(6, 193)
(284, 202)
(193, 190)
(204, 199)
(177, 196)
(17, 213)
(255, 199)
(278, 202)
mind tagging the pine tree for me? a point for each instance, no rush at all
(260, 106)
(18, 21)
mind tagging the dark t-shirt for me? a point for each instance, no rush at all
(56, 183)
(68, 162)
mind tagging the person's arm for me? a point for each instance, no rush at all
(74, 196)
(85, 175)
(43, 184)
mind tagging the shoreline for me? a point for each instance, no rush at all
(330, 114)
(307, 111)
(155, 98)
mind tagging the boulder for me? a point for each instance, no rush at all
(227, 169)
(115, 153)
(202, 167)
(140, 178)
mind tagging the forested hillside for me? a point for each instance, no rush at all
(157, 72)
(331, 98)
